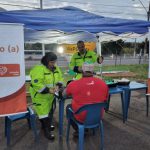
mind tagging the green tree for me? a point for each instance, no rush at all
(113, 47)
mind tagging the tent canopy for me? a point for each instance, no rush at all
(64, 21)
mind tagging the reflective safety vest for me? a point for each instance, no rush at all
(42, 77)
(78, 60)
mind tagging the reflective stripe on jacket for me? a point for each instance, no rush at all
(78, 60)
(42, 77)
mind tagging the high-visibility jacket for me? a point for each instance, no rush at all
(77, 60)
(42, 78)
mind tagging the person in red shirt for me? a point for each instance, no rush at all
(87, 90)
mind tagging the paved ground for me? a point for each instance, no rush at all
(133, 135)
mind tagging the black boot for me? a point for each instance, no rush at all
(48, 134)
(45, 125)
(51, 128)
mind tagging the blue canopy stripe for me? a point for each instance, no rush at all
(69, 19)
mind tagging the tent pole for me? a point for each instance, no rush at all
(43, 49)
(98, 46)
(148, 82)
(43, 46)
(41, 4)
(99, 52)
(135, 45)
(149, 54)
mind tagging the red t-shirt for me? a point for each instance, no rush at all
(86, 90)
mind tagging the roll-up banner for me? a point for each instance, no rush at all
(12, 70)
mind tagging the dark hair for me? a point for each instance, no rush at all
(80, 42)
(48, 57)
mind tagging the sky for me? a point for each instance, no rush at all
(128, 9)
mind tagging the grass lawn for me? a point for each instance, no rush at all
(141, 71)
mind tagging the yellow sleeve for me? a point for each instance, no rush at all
(37, 78)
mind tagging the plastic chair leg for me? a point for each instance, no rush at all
(108, 102)
(102, 135)
(68, 130)
(6, 118)
(28, 119)
(93, 131)
(127, 100)
(123, 107)
(129, 96)
(8, 131)
(61, 116)
(33, 126)
(81, 137)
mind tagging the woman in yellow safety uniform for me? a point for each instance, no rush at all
(44, 79)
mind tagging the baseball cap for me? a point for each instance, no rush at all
(88, 67)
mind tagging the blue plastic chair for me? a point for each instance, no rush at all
(93, 120)
(29, 115)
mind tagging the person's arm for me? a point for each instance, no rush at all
(60, 78)
(73, 66)
(68, 90)
(107, 94)
(64, 94)
(96, 58)
(37, 81)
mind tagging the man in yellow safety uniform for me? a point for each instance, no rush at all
(44, 79)
(82, 56)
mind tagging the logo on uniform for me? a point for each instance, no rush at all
(90, 83)
(36, 81)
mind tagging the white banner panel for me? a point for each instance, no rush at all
(12, 66)
(12, 74)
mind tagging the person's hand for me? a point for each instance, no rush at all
(56, 88)
(100, 59)
(58, 91)
(80, 69)
(59, 84)
(52, 90)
